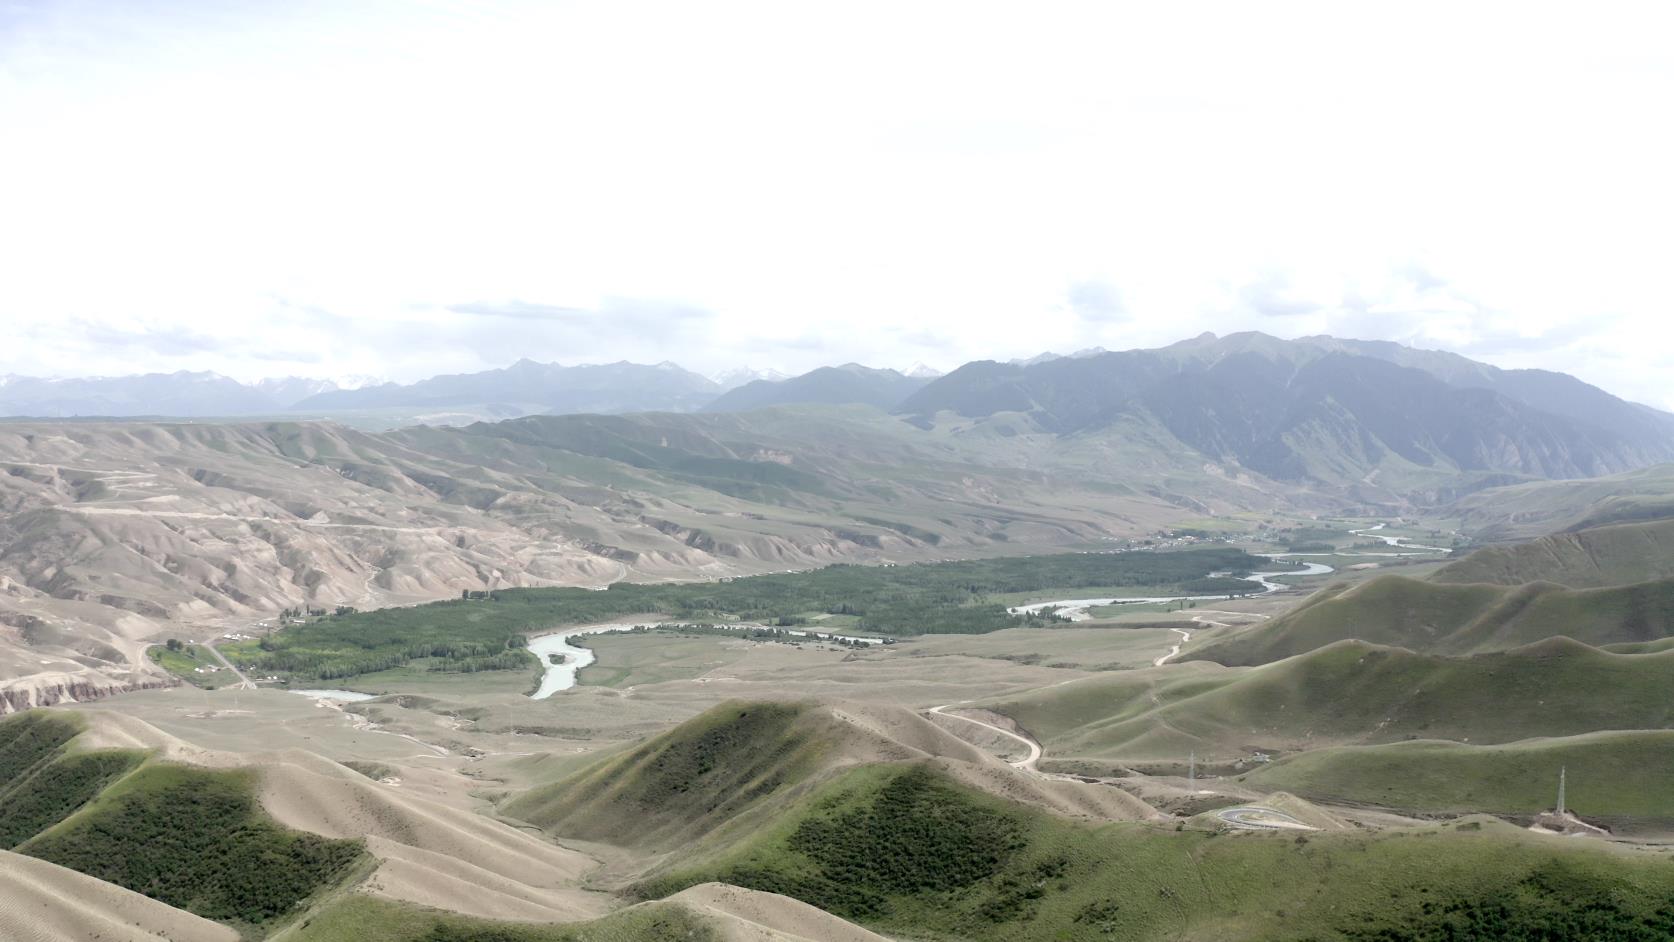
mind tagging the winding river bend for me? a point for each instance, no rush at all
(1078, 609)
(563, 676)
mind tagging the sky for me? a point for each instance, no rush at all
(402, 189)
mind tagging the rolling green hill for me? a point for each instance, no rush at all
(192, 838)
(688, 781)
(906, 850)
(1596, 557)
(1618, 778)
(1350, 692)
(1536, 508)
(1446, 618)
(360, 918)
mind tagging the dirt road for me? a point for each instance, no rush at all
(1027, 763)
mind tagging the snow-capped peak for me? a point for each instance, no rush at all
(734, 378)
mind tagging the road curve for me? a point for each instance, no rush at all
(1256, 818)
(1027, 763)
(1174, 651)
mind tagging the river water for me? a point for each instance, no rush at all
(563, 676)
(1077, 609)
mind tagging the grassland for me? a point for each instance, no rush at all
(461, 636)
(1453, 618)
(1536, 508)
(630, 659)
(192, 663)
(1619, 778)
(1349, 693)
(1593, 558)
(905, 850)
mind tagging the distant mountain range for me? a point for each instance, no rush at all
(527, 388)
(1340, 412)
(1318, 408)
(524, 388)
(849, 384)
(183, 394)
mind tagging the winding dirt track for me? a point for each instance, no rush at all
(1027, 763)
(1174, 651)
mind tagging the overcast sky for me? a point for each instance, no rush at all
(400, 189)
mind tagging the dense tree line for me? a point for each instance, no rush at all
(482, 629)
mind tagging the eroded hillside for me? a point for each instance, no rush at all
(114, 535)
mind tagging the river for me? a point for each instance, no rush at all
(563, 676)
(1077, 609)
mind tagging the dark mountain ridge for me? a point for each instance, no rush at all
(1321, 408)
(850, 384)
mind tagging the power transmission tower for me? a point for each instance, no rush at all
(1562, 772)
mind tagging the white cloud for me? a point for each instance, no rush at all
(828, 183)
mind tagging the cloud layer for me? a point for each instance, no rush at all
(399, 190)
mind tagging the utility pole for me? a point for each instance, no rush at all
(1191, 772)
(1562, 772)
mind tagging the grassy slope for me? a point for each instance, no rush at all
(1348, 693)
(1601, 556)
(699, 776)
(1453, 618)
(193, 838)
(1534, 509)
(907, 851)
(1614, 777)
(357, 918)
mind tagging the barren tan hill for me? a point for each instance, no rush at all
(427, 852)
(115, 534)
(742, 915)
(43, 902)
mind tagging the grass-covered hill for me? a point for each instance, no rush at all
(358, 918)
(722, 764)
(715, 777)
(1536, 508)
(911, 852)
(43, 902)
(1347, 693)
(1619, 779)
(1450, 618)
(193, 838)
(1595, 557)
